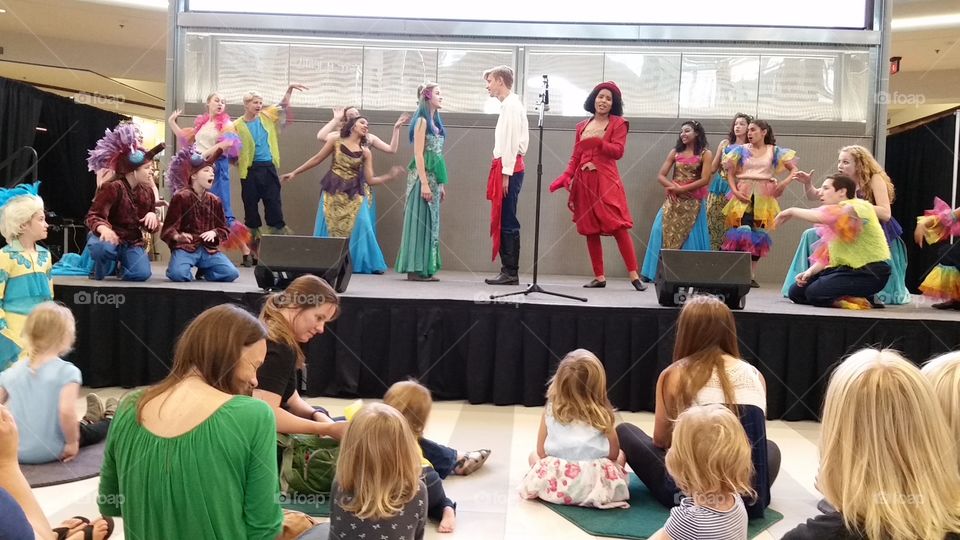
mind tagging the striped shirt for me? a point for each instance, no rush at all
(691, 522)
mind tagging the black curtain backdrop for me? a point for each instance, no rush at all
(920, 163)
(67, 187)
(488, 353)
(20, 106)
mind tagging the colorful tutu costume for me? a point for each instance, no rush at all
(717, 197)
(749, 222)
(680, 223)
(576, 470)
(597, 198)
(854, 251)
(943, 282)
(420, 243)
(25, 281)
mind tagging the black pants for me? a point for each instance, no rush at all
(648, 462)
(93, 433)
(833, 283)
(436, 496)
(262, 183)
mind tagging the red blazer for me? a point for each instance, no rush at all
(603, 152)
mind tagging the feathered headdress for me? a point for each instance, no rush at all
(119, 150)
(185, 164)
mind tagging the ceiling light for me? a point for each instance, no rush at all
(2, 11)
(928, 21)
(141, 4)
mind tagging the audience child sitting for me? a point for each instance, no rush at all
(578, 459)
(711, 464)
(42, 389)
(413, 401)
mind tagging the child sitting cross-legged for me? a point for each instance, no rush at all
(41, 392)
(710, 462)
(578, 459)
(196, 227)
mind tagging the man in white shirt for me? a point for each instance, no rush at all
(506, 174)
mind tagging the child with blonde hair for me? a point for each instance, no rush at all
(711, 464)
(378, 491)
(41, 391)
(24, 265)
(414, 402)
(578, 459)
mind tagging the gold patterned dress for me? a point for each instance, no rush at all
(342, 191)
(681, 212)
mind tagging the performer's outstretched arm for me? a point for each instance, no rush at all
(317, 159)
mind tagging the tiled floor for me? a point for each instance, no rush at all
(488, 505)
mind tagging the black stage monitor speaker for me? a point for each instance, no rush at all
(284, 258)
(682, 274)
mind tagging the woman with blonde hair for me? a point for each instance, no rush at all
(377, 491)
(706, 369)
(943, 372)
(293, 317)
(875, 187)
(710, 461)
(883, 445)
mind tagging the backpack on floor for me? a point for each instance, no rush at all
(309, 463)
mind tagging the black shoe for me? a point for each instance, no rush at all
(199, 276)
(595, 284)
(876, 303)
(503, 279)
(645, 279)
(247, 261)
(949, 304)
(638, 285)
(413, 276)
(754, 284)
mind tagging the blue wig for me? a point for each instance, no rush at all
(435, 124)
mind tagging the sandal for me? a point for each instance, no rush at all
(63, 531)
(88, 530)
(471, 462)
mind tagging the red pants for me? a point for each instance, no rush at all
(624, 242)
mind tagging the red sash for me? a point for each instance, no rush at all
(495, 195)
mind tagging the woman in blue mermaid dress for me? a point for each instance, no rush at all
(365, 253)
(877, 188)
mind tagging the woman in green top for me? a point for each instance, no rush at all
(194, 456)
(419, 254)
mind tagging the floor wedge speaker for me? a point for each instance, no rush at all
(283, 258)
(682, 274)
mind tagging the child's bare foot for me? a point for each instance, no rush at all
(449, 521)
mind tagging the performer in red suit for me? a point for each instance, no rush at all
(597, 198)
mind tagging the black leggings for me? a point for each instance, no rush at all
(93, 433)
(436, 496)
(648, 462)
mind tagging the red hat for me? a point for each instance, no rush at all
(611, 86)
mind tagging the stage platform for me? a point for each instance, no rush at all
(463, 345)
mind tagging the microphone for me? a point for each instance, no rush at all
(546, 93)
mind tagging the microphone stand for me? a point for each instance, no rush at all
(543, 103)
